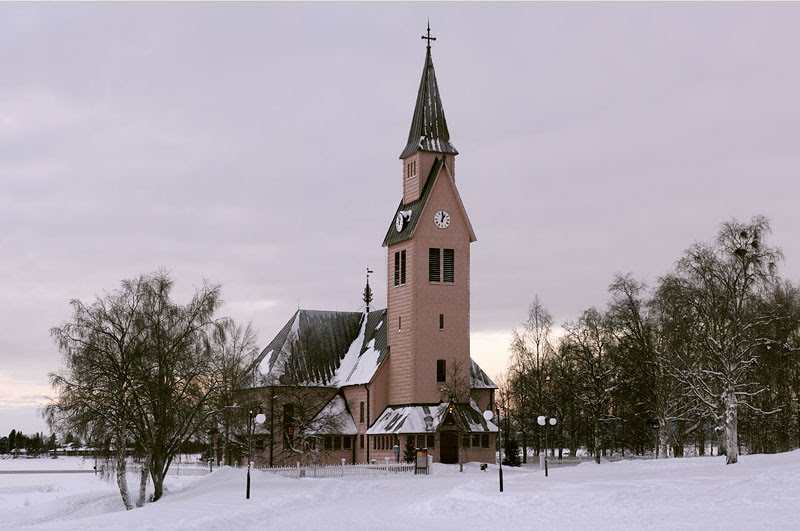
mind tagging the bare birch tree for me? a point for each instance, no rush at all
(531, 346)
(719, 288)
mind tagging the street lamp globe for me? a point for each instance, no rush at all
(541, 420)
(553, 421)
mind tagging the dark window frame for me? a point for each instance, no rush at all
(448, 266)
(441, 370)
(434, 264)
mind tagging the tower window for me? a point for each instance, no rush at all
(434, 265)
(361, 416)
(400, 268)
(399, 322)
(441, 321)
(411, 169)
(441, 370)
(449, 265)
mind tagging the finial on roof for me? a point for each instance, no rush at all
(429, 38)
(367, 292)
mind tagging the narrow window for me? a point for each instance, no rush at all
(288, 414)
(485, 440)
(396, 269)
(361, 443)
(431, 439)
(402, 267)
(441, 370)
(420, 441)
(361, 416)
(337, 442)
(328, 442)
(476, 440)
(449, 265)
(434, 265)
(465, 441)
(399, 322)
(346, 443)
(441, 321)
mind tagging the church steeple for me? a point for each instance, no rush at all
(428, 126)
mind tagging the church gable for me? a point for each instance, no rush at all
(444, 195)
(430, 418)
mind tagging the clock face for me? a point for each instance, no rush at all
(399, 222)
(441, 219)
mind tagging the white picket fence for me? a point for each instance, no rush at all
(297, 471)
(176, 470)
(337, 471)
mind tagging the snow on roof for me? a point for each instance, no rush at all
(478, 378)
(360, 363)
(427, 418)
(333, 418)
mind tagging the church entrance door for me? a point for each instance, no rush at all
(448, 447)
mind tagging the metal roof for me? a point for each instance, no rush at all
(415, 207)
(428, 126)
(314, 345)
(427, 418)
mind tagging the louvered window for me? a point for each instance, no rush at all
(449, 265)
(399, 268)
(434, 265)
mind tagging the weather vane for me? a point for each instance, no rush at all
(429, 38)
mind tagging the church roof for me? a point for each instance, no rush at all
(428, 126)
(416, 418)
(333, 418)
(412, 210)
(325, 348)
(333, 349)
(478, 378)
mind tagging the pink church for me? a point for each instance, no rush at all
(364, 386)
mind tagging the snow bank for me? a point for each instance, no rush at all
(761, 492)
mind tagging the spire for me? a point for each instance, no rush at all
(428, 126)
(367, 293)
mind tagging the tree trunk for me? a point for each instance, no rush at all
(663, 439)
(701, 440)
(731, 435)
(598, 444)
(524, 446)
(158, 470)
(122, 479)
(143, 481)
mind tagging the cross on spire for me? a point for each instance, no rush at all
(429, 38)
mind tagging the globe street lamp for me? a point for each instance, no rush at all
(544, 421)
(252, 420)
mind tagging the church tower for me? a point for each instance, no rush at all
(428, 242)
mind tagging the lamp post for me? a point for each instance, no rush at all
(252, 420)
(544, 421)
(489, 415)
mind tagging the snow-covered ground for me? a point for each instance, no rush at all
(761, 492)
